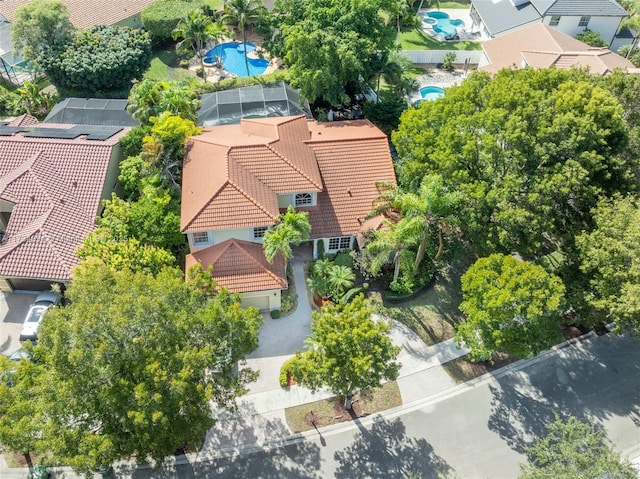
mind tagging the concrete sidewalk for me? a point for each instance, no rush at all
(260, 418)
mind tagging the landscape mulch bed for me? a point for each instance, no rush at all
(462, 370)
(331, 411)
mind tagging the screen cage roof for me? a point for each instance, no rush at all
(259, 101)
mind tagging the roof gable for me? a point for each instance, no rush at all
(55, 186)
(240, 266)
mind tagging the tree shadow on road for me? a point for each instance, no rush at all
(576, 382)
(384, 450)
(244, 444)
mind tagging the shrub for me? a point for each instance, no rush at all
(275, 314)
(289, 366)
(162, 16)
(275, 77)
(320, 249)
(591, 38)
(448, 60)
(101, 58)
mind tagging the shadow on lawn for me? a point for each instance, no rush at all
(383, 450)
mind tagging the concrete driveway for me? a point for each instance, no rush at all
(13, 309)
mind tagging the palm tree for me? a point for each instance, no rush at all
(340, 279)
(243, 12)
(292, 227)
(196, 30)
(414, 216)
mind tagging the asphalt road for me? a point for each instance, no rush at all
(477, 432)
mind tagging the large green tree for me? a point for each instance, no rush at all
(243, 13)
(611, 261)
(572, 449)
(99, 59)
(513, 306)
(331, 45)
(351, 352)
(131, 365)
(531, 151)
(41, 27)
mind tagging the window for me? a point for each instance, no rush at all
(303, 199)
(258, 231)
(201, 237)
(584, 21)
(342, 242)
(555, 19)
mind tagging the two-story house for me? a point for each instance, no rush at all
(495, 18)
(238, 178)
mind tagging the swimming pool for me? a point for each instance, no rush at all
(444, 24)
(231, 54)
(431, 92)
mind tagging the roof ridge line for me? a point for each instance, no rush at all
(255, 261)
(295, 167)
(31, 228)
(17, 172)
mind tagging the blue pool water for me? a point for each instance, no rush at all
(232, 56)
(444, 24)
(431, 92)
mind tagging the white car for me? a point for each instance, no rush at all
(44, 301)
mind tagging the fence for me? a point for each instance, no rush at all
(436, 56)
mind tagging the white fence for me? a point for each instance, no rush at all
(436, 56)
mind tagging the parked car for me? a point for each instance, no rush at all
(44, 301)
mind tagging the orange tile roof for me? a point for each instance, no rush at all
(541, 47)
(233, 173)
(240, 266)
(86, 13)
(55, 186)
(352, 156)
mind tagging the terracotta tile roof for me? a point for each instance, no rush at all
(541, 47)
(218, 193)
(240, 266)
(86, 13)
(55, 186)
(352, 156)
(233, 173)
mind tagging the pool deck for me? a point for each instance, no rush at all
(437, 78)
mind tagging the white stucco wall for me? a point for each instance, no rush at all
(267, 300)
(218, 236)
(605, 26)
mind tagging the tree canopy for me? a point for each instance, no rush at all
(100, 58)
(41, 26)
(530, 150)
(511, 305)
(572, 449)
(611, 261)
(129, 367)
(350, 351)
(329, 45)
(150, 98)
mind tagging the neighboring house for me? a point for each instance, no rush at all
(540, 46)
(258, 101)
(82, 13)
(91, 111)
(53, 179)
(87, 13)
(495, 18)
(237, 179)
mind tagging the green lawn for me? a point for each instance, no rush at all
(165, 67)
(433, 313)
(461, 4)
(416, 39)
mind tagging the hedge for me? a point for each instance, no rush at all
(161, 17)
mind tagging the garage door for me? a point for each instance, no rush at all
(29, 284)
(260, 302)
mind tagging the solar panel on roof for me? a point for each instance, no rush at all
(6, 130)
(58, 133)
(97, 132)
